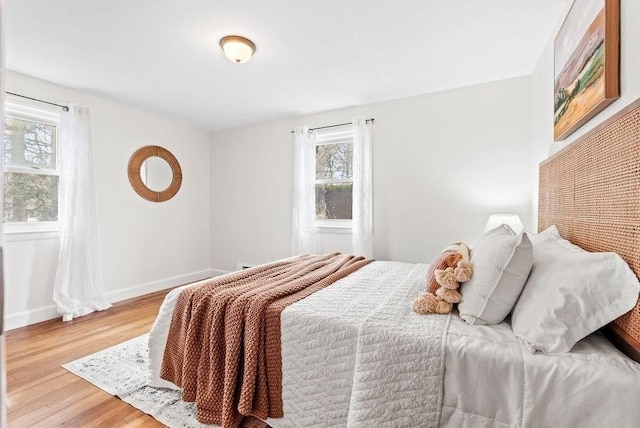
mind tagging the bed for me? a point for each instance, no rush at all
(355, 354)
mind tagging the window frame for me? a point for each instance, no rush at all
(20, 111)
(324, 138)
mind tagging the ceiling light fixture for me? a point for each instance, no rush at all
(237, 48)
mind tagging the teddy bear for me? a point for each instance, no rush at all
(446, 273)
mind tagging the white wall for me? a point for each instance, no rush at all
(145, 246)
(442, 163)
(542, 89)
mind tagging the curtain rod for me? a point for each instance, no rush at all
(338, 124)
(65, 108)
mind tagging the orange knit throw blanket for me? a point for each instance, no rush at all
(223, 348)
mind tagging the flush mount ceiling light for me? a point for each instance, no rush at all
(237, 48)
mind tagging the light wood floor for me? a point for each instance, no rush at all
(43, 394)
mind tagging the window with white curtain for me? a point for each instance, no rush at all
(31, 172)
(334, 178)
(333, 185)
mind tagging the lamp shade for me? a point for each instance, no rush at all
(237, 48)
(511, 220)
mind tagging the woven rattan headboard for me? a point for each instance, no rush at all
(591, 191)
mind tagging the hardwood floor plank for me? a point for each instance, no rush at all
(40, 393)
(48, 393)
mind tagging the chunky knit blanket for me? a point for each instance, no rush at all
(223, 347)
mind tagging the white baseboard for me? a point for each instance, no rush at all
(163, 284)
(45, 313)
(218, 272)
(28, 317)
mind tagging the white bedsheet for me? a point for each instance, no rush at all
(158, 338)
(353, 354)
(492, 380)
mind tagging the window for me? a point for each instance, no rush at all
(334, 178)
(30, 145)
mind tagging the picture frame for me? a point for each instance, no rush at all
(586, 64)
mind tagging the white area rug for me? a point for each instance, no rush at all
(122, 371)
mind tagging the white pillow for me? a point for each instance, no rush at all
(552, 233)
(501, 263)
(571, 293)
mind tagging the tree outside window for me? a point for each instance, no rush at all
(334, 176)
(30, 165)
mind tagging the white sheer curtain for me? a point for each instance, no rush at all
(362, 223)
(78, 285)
(304, 233)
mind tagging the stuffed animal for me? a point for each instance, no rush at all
(443, 280)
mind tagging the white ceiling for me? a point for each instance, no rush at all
(163, 56)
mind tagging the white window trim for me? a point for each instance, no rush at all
(334, 181)
(333, 224)
(19, 111)
(322, 139)
(30, 227)
(30, 170)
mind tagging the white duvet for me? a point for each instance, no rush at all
(354, 354)
(492, 380)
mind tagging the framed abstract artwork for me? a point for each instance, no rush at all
(586, 64)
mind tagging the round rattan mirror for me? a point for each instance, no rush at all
(138, 170)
